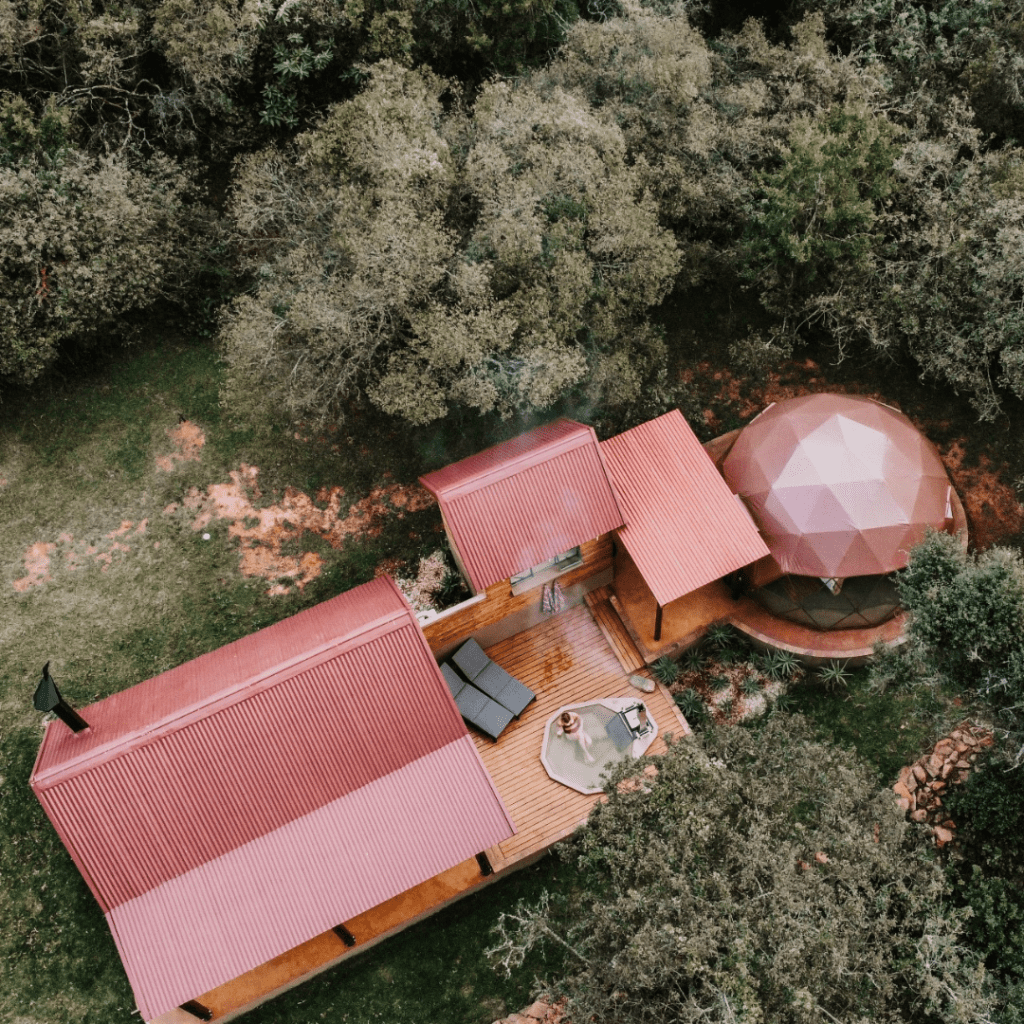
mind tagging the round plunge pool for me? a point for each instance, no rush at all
(615, 732)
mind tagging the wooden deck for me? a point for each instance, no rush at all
(566, 659)
(615, 633)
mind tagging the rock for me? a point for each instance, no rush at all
(821, 858)
(944, 747)
(937, 785)
(802, 865)
(963, 765)
(920, 815)
(902, 792)
(538, 1010)
(934, 765)
(920, 774)
(961, 747)
(942, 835)
(947, 770)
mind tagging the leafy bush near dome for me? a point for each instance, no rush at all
(967, 618)
(988, 864)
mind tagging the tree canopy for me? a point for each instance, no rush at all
(758, 876)
(492, 257)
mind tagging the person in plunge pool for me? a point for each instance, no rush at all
(570, 726)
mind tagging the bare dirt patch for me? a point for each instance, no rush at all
(992, 508)
(263, 531)
(39, 557)
(188, 441)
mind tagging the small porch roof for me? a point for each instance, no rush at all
(684, 527)
(521, 502)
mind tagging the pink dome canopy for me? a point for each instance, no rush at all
(839, 485)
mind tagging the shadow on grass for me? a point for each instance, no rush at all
(887, 730)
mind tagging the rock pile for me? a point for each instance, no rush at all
(921, 785)
(540, 1012)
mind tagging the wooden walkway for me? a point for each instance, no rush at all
(615, 633)
(565, 660)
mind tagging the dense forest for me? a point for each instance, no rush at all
(398, 213)
(427, 207)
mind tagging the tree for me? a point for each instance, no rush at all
(419, 257)
(83, 240)
(967, 616)
(757, 877)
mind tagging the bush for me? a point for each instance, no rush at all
(423, 256)
(967, 616)
(988, 870)
(758, 877)
(665, 671)
(84, 241)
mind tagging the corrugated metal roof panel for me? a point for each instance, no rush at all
(522, 502)
(223, 671)
(684, 526)
(160, 808)
(239, 911)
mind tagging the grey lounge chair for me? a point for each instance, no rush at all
(475, 706)
(485, 675)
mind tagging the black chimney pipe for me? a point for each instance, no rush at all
(48, 698)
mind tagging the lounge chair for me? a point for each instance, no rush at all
(485, 675)
(475, 706)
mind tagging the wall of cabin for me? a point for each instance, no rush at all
(502, 614)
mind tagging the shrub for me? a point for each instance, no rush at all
(697, 909)
(834, 676)
(692, 705)
(718, 683)
(665, 671)
(988, 871)
(751, 685)
(967, 615)
(781, 665)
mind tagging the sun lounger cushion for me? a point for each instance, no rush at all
(475, 706)
(490, 677)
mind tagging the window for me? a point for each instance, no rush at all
(562, 562)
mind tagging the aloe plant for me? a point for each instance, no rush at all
(693, 659)
(665, 671)
(751, 685)
(691, 704)
(834, 675)
(719, 683)
(781, 665)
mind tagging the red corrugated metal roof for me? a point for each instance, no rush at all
(299, 723)
(242, 909)
(684, 526)
(526, 500)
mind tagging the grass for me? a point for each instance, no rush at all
(81, 461)
(887, 730)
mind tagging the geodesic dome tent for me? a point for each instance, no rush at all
(840, 486)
